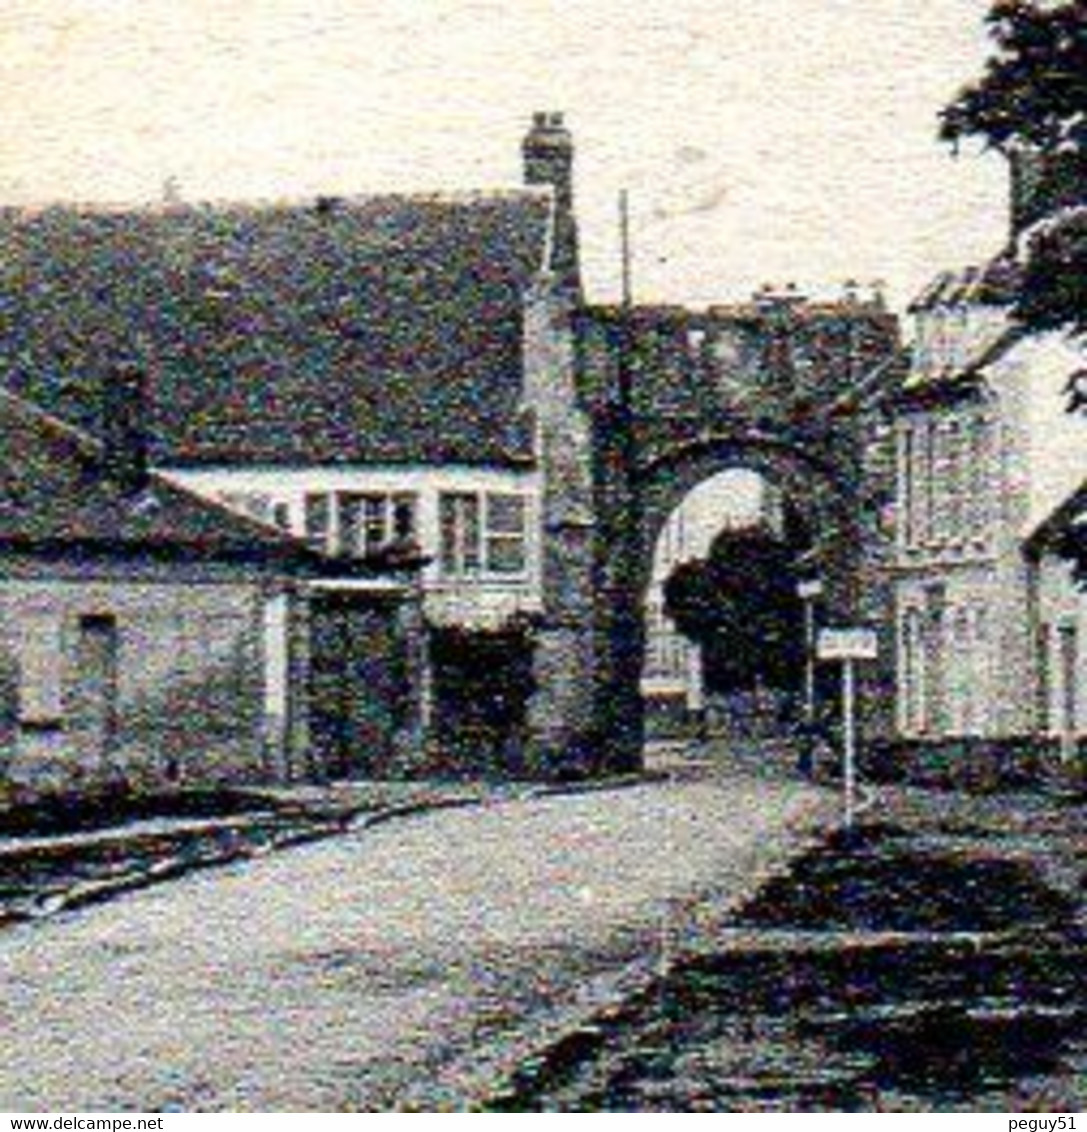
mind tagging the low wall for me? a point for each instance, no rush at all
(973, 763)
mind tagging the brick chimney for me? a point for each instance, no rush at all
(548, 153)
(124, 428)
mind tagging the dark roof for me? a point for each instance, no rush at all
(991, 284)
(55, 492)
(382, 330)
(1064, 531)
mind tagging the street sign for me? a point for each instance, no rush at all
(847, 644)
(809, 589)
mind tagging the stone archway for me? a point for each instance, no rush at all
(648, 403)
(625, 562)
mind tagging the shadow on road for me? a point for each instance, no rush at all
(887, 971)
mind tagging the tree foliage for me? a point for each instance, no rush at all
(1030, 103)
(742, 607)
(1034, 88)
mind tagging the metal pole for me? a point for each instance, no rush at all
(624, 238)
(809, 661)
(849, 740)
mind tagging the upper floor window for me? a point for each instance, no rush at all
(458, 521)
(506, 534)
(359, 523)
(318, 520)
(482, 532)
(943, 483)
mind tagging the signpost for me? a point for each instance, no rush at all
(848, 646)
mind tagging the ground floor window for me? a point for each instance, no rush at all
(911, 673)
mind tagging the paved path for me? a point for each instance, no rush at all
(380, 969)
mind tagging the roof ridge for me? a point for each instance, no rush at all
(455, 197)
(85, 440)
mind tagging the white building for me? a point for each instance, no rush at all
(370, 374)
(988, 624)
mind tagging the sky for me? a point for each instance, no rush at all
(776, 141)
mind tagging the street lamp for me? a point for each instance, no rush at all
(809, 591)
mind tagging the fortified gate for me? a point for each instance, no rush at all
(652, 401)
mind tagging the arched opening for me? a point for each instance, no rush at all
(726, 625)
(810, 488)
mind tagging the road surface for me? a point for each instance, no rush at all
(390, 968)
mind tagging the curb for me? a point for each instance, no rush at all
(306, 829)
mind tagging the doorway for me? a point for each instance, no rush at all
(359, 684)
(94, 692)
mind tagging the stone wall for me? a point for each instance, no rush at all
(117, 680)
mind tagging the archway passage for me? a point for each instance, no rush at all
(667, 399)
(682, 660)
(727, 632)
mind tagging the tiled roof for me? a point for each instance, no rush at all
(1064, 530)
(967, 381)
(55, 491)
(380, 330)
(992, 284)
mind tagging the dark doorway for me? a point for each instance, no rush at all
(482, 684)
(359, 694)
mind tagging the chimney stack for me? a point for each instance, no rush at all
(124, 428)
(548, 153)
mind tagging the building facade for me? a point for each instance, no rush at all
(375, 376)
(145, 635)
(986, 627)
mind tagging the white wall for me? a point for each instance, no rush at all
(481, 600)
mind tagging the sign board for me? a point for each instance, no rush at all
(807, 590)
(846, 644)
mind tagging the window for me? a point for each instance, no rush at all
(506, 534)
(94, 687)
(955, 486)
(318, 520)
(482, 532)
(979, 480)
(907, 502)
(369, 521)
(939, 484)
(352, 538)
(912, 674)
(403, 517)
(922, 490)
(458, 520)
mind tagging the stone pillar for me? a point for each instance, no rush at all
(620, 578)
(561, 729)
(562, 735)
(298, 754)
